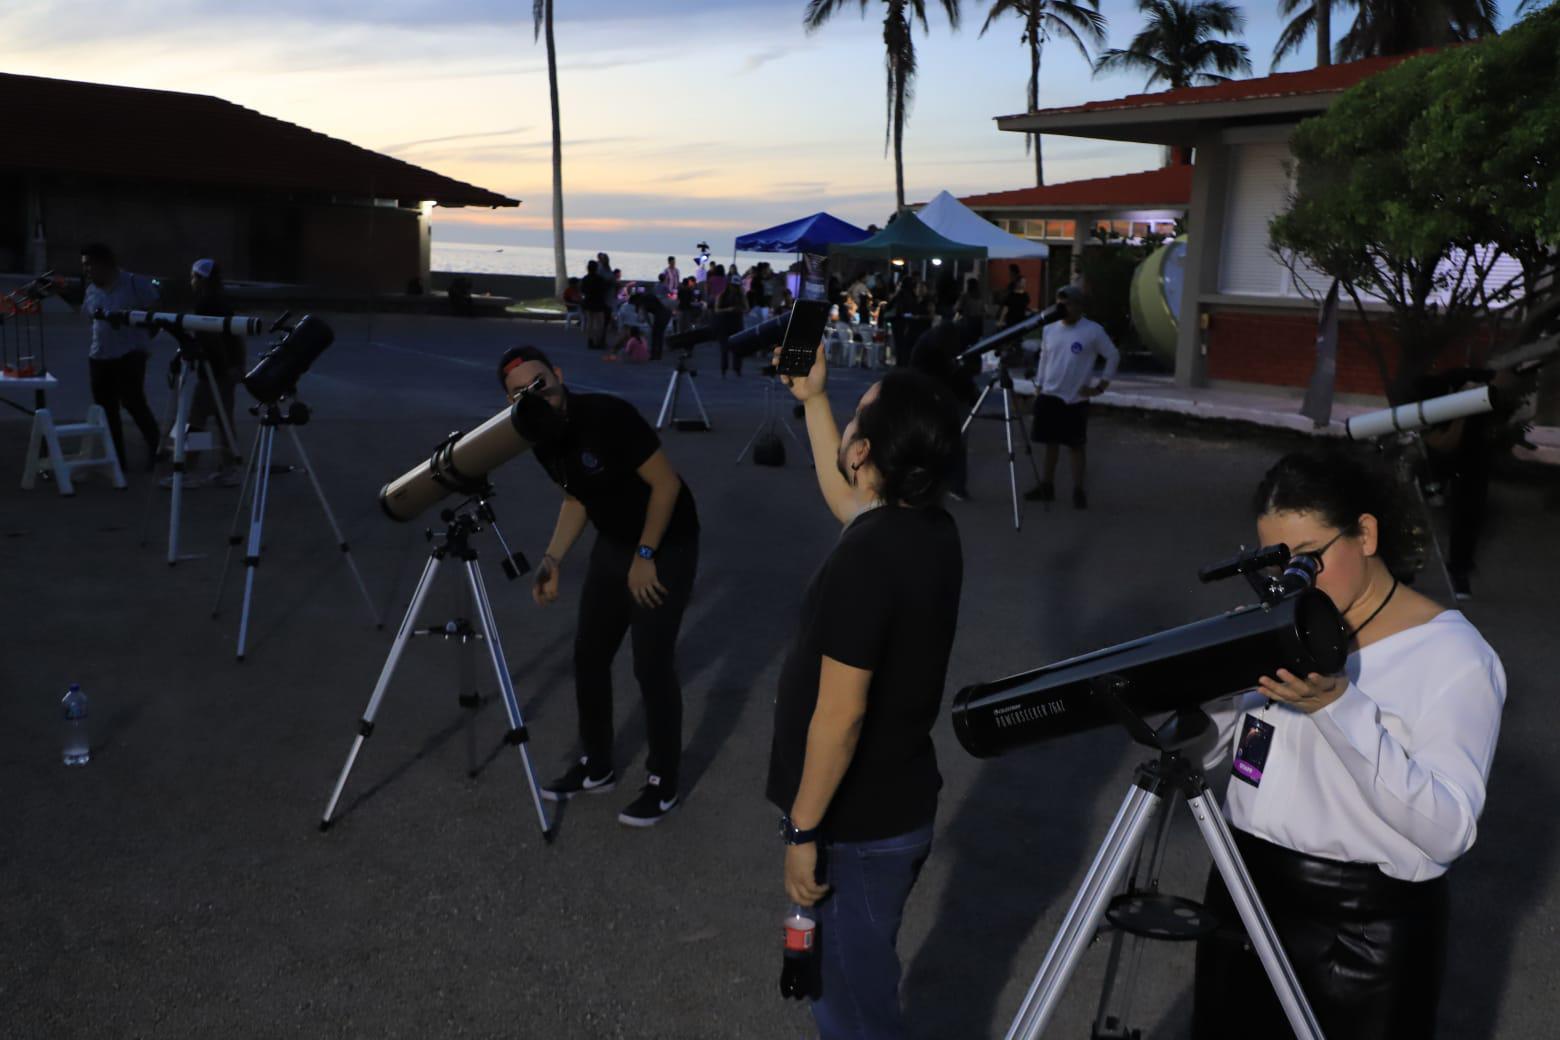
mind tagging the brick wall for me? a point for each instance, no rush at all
(1279, 348)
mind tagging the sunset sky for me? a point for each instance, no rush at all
(684, 120)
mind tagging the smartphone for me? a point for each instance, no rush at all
(803, 336)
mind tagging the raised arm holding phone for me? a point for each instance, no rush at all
(852, 767)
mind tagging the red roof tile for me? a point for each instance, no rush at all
(1327, 79)
(160, 135)
(1171, 185)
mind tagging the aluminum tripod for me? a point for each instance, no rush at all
(453, 541)
(1168, 775)
(185, 387)
(1003, 380)
(682, 374)
(256, 490)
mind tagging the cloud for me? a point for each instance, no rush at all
(392, 149)
(757, 61)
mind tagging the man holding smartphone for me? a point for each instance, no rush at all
(614, 475)
(852, 767)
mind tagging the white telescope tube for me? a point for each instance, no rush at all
(237, 325)
(1419, 414)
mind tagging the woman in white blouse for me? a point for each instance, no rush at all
(1351, 795)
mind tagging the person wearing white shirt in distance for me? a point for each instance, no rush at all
(1069, 349)
(1352, 794)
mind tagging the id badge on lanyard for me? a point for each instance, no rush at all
(1256, 740)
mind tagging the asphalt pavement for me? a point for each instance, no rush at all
(179, 886)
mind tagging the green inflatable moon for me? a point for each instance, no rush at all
(1156, 298)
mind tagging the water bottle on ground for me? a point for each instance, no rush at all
(77, 748)
(801, 933)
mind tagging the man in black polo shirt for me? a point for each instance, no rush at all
(852, 765)
(614, 474)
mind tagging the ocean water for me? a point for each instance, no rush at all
(538, 260)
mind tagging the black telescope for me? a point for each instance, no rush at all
(1294, 627)
(1055, 312)
(277, 372)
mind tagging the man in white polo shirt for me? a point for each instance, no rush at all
(1068, 351)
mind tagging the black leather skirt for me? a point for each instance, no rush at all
(1369, 950)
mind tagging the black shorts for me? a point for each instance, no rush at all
(1057, 422)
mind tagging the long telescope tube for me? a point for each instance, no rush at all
(1173, 670)
(237, 325)
(1419, 414)
(459, 466)
(996, 339)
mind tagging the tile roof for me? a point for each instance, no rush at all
(1171, 185)
(160, 135)
(1327, 79)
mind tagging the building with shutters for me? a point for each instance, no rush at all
(1245, 317)
(165, 178)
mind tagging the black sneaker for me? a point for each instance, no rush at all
(1080, 500)
(1461, 590)
(579, 780)
(1040, 493)
(655, 801)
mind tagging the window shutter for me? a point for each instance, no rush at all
(1259, 189)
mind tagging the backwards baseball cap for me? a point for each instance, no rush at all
(1071, 293)
(203, 267)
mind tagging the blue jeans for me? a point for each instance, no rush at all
(858, 923)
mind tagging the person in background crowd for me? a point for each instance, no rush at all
(670, 278)
(1014, 302)
(595, 301)
(117, 353)
(225, 353)
(971, 311)
(1068, 351)
(730, 309)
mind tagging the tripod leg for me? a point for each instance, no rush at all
(1424, 509)
(1111, 1021)
(1084, 916)
(238, 513)
(223, 419)
(667, 402)
(366, 725)
(517, 732)
(170, 412)
(319, 493)
(181, 425)
(1258, 927)
(1023, 434)
(466, 692)
(256, 522)
(975, 408)
(693, 388)
(1007, 428)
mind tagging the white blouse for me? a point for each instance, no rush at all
(1391, 773)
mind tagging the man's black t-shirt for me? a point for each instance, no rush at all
(886, 600)
(593, 292)
(605, 441)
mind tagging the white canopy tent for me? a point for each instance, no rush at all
(951, 218)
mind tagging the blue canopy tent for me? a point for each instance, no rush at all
(814, 234)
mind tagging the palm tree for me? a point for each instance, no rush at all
(899, 59)
(1180, 46)
(1303, 17)
(1043, 19)
(542, 23)
(1402, 26)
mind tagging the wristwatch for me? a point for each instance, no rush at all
(791, 835)
(645, 552)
